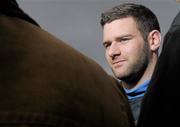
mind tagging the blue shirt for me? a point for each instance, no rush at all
(135, 97)
(137, 91)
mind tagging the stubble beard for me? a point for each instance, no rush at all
(135, 72)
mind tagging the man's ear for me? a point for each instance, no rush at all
(154, 39)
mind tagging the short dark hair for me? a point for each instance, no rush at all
(146, 20)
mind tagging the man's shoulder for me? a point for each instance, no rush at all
(176, 21)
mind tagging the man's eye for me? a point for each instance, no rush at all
(106, 45)
(124, 40)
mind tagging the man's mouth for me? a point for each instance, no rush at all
(118, 63)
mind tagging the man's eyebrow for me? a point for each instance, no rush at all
(119, 38)
(124, 36)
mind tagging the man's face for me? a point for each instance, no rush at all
(126, 52)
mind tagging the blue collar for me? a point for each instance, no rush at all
(138, 91)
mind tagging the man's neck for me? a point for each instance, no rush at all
(143, 77)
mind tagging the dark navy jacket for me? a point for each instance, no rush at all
(161, 103)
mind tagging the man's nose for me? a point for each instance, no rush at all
(114, 50)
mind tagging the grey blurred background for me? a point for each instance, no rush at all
(77, 21)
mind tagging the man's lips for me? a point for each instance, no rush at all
(118, 62)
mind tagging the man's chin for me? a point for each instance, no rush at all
(118, 75)
(124, 77)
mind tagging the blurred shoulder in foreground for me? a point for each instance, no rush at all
(45, 82)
